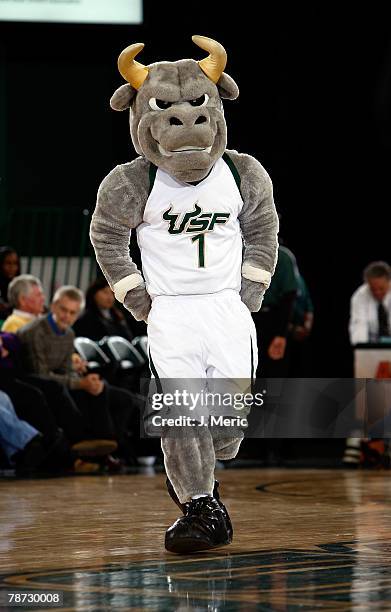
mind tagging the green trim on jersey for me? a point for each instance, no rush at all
(226, 158)
(152, 176)
(233, 169)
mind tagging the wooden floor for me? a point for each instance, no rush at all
(304, 540)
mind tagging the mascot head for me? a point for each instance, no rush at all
(176, 112)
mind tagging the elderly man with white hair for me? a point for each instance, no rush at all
(107, 412)
(27, 298)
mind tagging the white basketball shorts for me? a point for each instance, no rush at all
(202, 336)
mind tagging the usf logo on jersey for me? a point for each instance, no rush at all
(195, 221)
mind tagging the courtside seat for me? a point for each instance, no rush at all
(141, 344)
(91, 352)
(122, 351)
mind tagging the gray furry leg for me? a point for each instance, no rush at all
(190, 461)
(226, 448)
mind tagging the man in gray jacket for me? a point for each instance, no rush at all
(99, 410)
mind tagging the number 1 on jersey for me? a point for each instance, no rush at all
(201, 249)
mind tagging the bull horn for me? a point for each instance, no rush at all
(214, 64)
(132, 71)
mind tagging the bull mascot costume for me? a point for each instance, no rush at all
(207, 230)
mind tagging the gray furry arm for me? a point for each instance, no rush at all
(259, 225)
(120, 207)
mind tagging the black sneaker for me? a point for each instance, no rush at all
(203, 526)
(216, 495)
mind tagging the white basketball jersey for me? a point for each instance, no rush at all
(190, 238)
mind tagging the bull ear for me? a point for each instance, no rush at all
(122, 97)
(227, 87)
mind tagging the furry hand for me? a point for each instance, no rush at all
(252, 294)
(138, 302)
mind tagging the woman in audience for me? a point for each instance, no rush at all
(101, 316)
(9, 268)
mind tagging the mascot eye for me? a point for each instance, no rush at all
(157, 104)
(201, 101)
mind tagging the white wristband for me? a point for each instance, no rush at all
(256, 274)
(126, 284)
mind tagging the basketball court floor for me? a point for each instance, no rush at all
(304, 540)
